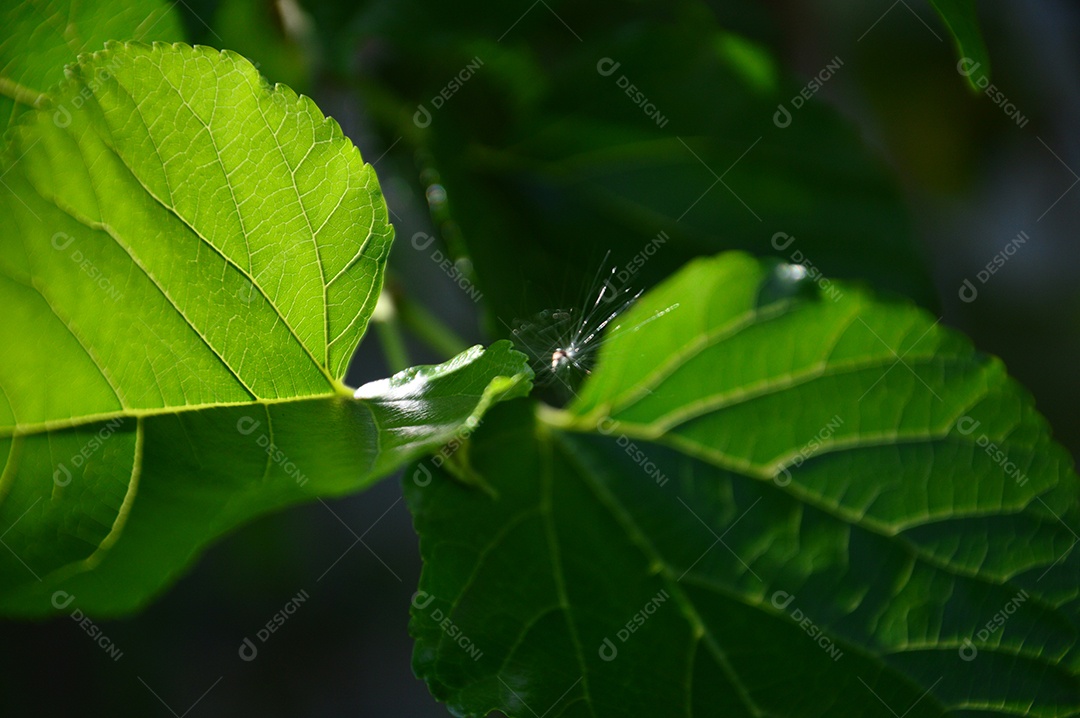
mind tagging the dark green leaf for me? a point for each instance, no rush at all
(762, 504)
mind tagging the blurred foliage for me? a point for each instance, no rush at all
(962, 20)
(546, 157)
(40, 38)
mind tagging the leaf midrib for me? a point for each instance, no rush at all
(247, 274)
(655, 558)
(748, 470)
(647, 384)
(342, 392)
(792, 380)
(547, 477)
(103, 227)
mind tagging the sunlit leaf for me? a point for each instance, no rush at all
(191, 259)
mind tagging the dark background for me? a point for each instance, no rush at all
(971, 179)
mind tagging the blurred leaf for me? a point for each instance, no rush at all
(761, 504)
(275, 39)
(961, 18)
(574, 130)
(41, 37)
(193, 258)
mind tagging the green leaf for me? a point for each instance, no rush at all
(962, 20)
(43, 36)
(771, 501)
(191, 260)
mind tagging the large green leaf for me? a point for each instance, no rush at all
(770, 502)
(191, 257)
(41, 37)
(963, 22)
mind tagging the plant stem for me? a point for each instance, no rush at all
(385, 319)
(393, 346)
(429, 328)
